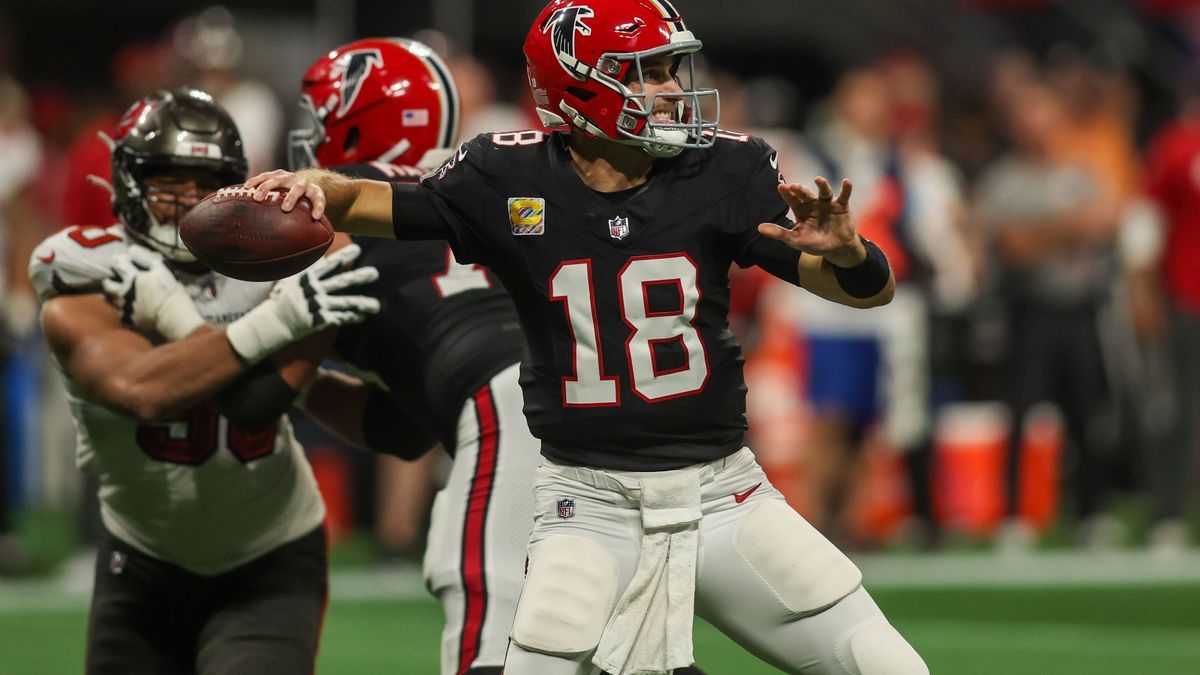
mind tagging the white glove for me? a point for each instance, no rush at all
(149, 297)
(303, 304)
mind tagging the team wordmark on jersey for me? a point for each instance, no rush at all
(618, 228)
(527, 215)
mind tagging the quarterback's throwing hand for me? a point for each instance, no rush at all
(824, 225)
(149, 297)
(303, 304)
(297, 185)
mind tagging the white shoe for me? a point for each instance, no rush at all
(1168, 537)
(1015, 536)
(1102, 532)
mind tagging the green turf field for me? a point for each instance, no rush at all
(1093, 629)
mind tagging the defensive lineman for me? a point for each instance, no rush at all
(214, 555)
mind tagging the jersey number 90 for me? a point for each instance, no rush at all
(192, 438)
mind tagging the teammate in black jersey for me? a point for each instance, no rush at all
(614, 236)
(447, 349)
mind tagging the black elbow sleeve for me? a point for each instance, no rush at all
(414, 215)
(391, 430)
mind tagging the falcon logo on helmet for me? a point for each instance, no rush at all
(565, 23)
(355, 67)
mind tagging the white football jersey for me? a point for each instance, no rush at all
(193, 490)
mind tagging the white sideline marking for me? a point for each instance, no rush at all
(1066, 568)
(1059, 638)
(391, 583)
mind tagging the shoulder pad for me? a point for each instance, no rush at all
(75, 260)
(748, 153)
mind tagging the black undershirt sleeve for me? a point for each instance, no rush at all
(777, 258)
(413, 214)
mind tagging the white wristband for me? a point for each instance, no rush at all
(178, 317)
(258, 334)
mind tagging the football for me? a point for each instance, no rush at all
(254, 241)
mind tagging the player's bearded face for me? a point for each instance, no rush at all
(170, 195)
(658, 77)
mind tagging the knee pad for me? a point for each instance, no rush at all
(876, 648)
(803, 569)
(569, 592)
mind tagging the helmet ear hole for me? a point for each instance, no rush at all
(351, 143)
(582, 94)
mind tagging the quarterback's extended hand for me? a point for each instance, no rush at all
(302, 304)
(824, 225)
(298, 185)
(148, 295)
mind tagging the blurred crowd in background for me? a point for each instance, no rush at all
(1037, 377)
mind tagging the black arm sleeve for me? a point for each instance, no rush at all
(413, 214)
(390, 429)
(256, 399)
(777, 258)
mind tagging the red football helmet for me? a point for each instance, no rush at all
(583, 54)
(380, 99)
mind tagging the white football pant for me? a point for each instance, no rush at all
(765, 577)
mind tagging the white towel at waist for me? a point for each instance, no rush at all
(650, 631)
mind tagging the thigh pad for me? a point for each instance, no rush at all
(569, 592)
(804, 570)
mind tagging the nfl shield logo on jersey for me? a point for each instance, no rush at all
(566, 508)
(618, 228)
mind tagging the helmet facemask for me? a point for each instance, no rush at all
(658, 138)
(152, 213)
(303, 141)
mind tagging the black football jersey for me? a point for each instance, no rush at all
(445, 328)
(624, 300)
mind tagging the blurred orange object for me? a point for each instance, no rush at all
(969, 448)
(1041, 453)
(969, 467)
(333, 479)
(882, 501)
